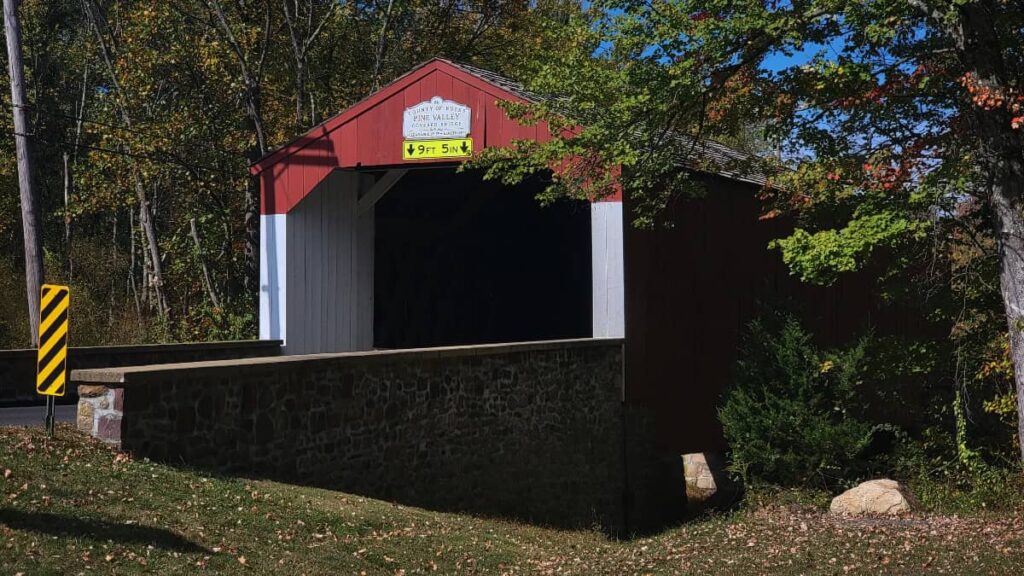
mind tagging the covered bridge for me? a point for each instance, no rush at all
(370, 239)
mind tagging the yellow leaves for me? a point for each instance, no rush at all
(997, 363)
(1003, 405)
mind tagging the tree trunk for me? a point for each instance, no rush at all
(132, 285)
(1008, 205)
(67, 219)
(207, 279)
(151, 247)
(250, 281)
(1001, 158)
(253, 81)
(378, 60)
(31, 227)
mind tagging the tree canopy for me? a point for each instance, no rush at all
(892, 127)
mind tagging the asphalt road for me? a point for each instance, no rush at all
(34, 415)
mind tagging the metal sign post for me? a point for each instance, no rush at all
(49, 415)
(51, 364)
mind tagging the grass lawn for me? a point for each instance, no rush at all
(73, 506)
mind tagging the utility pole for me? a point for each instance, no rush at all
(29, 213)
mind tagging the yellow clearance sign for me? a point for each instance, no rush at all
(51, 375)
(437, 149)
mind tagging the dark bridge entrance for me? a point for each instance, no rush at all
(460, 260)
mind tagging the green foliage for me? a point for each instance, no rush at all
(949, 485)
(994, 489)
(204, 323)
(100, 313)
(14, 330)
(821, 256)
(792, 417)
(800, 420)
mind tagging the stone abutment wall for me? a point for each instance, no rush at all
(535, 431)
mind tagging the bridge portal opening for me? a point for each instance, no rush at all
(460, 260)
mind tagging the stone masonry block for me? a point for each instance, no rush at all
(117, 396)
(108, 428)
(85, 416)
(91, 390)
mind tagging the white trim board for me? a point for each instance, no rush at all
(607, 270)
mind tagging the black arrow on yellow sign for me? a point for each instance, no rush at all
(411, 149)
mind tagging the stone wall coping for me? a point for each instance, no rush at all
(149, 348)
(128, 375)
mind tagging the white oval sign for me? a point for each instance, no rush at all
(436, 118)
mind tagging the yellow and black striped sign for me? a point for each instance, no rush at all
(51, 375)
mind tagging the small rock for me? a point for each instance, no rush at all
(882, 496)
(708, 485)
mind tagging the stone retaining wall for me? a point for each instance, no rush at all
(18, 367)
(535, 431)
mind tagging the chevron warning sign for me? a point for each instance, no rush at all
(51, 375)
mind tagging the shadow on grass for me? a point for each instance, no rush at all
(95, 529)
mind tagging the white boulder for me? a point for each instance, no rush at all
(882, 496)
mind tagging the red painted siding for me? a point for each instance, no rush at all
(691, 291)
(369, 134)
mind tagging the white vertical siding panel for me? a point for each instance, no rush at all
(295, 275)
(303, 274)
(330, 269)
(332, 230)
(364, 280)
(314, 267)
(273, 282)
(345, 264)
(353, 250)
(301, 233)
(321, 315)
(363, 251)
(347, 267)
(607, 270)
(291, 333)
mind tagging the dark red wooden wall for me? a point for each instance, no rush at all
(692, 289)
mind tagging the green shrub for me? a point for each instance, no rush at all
(793, 414)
